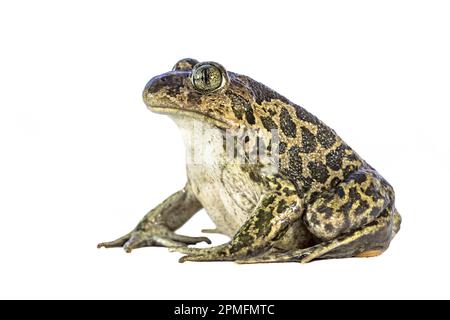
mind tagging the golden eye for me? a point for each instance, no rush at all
(207, 77)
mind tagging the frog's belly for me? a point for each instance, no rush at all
(227, 194)
(225, 191)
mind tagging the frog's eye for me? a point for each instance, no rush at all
(208, 77)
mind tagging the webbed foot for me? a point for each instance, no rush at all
(153, 235)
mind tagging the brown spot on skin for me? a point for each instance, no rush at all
(282, 206)
(348, 170)
(241, 107)
(268, 201)
(261, 92)
(282, 147)
(304, 115)
(268, 123)
(313, 197)
(335, 182)
(359, 177)
(194, 98)
(312, 221)
(325, 136)
(374, 212)
(363, 205)
(288, 192)
(306, 184)
(371, 191)
(318, 171)
(264, 222)
(294, 169)
(288, 126)
(334, 158)
(340, 192)
(345, 208)
(353, 194)
(254, 176)
(351, 156)
(326, 211)
(329, 227)
(309, 143)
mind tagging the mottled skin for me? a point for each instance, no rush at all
(324, 202)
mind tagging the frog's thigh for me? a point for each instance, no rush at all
(355, 203)
(370, 240)
(358, 202)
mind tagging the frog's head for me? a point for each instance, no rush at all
(207, 91)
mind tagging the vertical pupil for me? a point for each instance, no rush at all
(206, 78)
(205, 75)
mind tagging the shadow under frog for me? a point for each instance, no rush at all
(321, 201)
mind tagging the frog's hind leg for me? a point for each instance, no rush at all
(358, 218)
(368, 241)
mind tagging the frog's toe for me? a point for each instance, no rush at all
(301, 255)
(218, 253)
(169, 240)
(189, 240)
(206, 257)
(189, 258)
(217, 250)
(198, 258)
(138, 240)
(115, 243)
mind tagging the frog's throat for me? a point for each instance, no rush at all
(171, 110)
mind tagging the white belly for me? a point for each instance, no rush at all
(225, 191)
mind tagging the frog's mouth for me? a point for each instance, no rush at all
(172, 109)
(190, 113)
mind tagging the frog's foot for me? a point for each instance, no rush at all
(302, 256)
(224, 252)
(155, 235)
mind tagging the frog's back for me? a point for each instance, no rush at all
(311, 154)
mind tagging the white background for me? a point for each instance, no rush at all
(82, 160)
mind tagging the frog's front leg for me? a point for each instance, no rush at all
(158, 227)
(275, 212)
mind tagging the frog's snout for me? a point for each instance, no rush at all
(160, 89)
(154, 85)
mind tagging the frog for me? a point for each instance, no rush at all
(314, 199)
